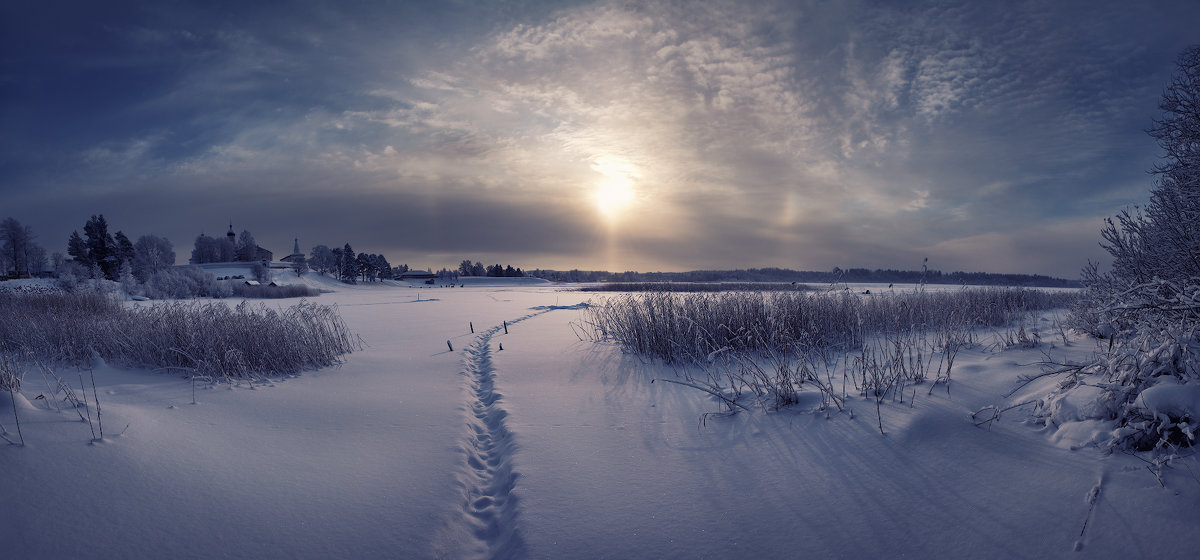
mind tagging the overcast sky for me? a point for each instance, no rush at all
(986, 136)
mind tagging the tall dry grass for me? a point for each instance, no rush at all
(771, 345)
(674, 327)
(206, 338)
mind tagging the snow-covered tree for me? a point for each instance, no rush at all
(247, 247)
(1149, 303)
(209, 249)
(35, 259)
(322, 259)
(261, 272)
(204, 250)
(125, 277)
(300, 266)
(150, 255)
(1163, 240)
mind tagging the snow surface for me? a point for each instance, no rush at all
(556, 447)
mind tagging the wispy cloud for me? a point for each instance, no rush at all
(813, 135)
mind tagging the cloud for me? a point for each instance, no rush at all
(854, 134)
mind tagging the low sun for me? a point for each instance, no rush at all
(614, 192)
(613, 196)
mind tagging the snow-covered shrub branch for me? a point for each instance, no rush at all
(206, 338)
(1146, 385)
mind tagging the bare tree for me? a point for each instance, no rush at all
(151, 254)
(16, 242)
(1163, 240)
(247, 247)
(322, 259)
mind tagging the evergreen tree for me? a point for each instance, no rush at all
(77, 249)
(365, 267)
(383, 267)
(349, 264)
(124, 248)
(102, 249)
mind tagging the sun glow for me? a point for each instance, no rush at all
(614, 193)
(613, 197)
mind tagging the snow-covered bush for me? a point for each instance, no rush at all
(261, 272)
(1148, 304)
(1145, 384)
(183, 283)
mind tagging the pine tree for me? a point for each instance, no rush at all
(349, 265)
(77, 249)
(101, 246)
(124, 248)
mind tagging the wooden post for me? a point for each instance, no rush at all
(506, 327)
(472, 327)
(450, 346)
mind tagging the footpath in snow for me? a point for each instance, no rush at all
(557, 447)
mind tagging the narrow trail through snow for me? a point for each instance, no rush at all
(489, 508)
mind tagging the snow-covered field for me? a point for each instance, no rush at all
(557, 447)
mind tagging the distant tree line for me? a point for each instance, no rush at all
(350, 267)
(468, 268)
(856, 275)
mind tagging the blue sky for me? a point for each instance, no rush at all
(986, 136)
